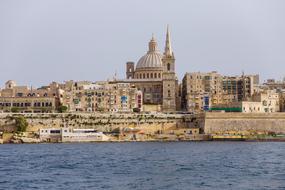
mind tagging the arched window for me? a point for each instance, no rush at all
(140, 75)
(151, 75)
(155, 75)
(169, 95)
(158, 75)
(147, 75)
(144, 76)
(168, 66)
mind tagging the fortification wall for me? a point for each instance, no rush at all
(101, 122)
(244, 123)
(210, 123)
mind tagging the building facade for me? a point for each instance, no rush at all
(263, 102)
(103, 97)
(154, 74)
(201, 91)
(15, 98)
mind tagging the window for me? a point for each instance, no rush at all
(55, 131)
(169, 95)
(168, 66)
(155, 75)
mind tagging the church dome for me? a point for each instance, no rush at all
(150, 60)
(153, 58)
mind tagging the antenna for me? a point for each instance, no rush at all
(115, 75)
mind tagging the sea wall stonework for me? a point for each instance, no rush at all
(244, 123)
(101, 122)
(209, 123)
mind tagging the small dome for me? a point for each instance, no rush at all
(152, 59)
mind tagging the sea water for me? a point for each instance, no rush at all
(144, 165)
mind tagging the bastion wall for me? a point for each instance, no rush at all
(243, 123)
(101, 122)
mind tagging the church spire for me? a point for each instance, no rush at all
(168, 50)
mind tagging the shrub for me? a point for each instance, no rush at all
(14, 109)
(21, 124)
(62, 109)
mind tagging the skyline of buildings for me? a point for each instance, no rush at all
(151, 84)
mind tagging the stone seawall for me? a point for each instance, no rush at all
(100, 122)
(209, 123)
(244, 123)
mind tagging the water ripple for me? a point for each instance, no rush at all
(187, 165)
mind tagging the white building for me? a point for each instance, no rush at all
(262, 102)
(71, 135)
(82, 135)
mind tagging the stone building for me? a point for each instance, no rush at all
(266, 101)
(154, 74)
(102, 97)
(282, 100)
(23, 99)
(273, 84)
(201, 91)
(238, 88)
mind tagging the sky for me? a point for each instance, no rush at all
(58, 40)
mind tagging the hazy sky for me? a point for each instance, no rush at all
(57, 40)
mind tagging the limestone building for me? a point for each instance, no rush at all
(262, 102)
(201, 91)
(102, 97)
(23, 99)
(154, 74)
(238, 88)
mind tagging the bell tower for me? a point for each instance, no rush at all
(130, 70)
(168, 77)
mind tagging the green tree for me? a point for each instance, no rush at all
(21, 124)
(14, 109)
(62, 109)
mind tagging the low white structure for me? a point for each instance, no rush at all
(71, 135)
(50, 135)
(262, 102)
(82, 135)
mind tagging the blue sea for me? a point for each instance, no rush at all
(145, 165)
